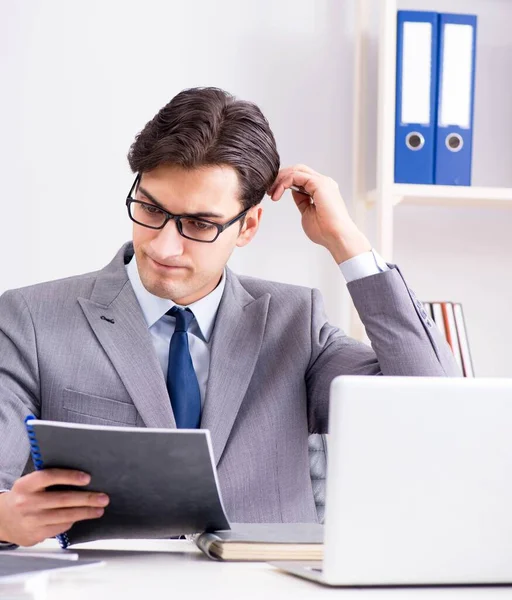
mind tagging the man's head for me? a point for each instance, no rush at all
(209, 155)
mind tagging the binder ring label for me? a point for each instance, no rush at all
(454, 142)
(414, 141)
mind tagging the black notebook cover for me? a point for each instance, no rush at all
(161, 482)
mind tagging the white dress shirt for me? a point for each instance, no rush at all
(161, 326)
(363, 265)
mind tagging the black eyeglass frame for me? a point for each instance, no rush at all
(177, 218)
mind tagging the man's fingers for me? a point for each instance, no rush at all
(298, 167)
(284, 173)
(41, 533)
(53, 530)
(69, 515)
(39, 480)
(302, 201)
(299, 178)
(51, 500)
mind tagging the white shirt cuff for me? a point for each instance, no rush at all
(363, 265)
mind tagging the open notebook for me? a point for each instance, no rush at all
(161, 482)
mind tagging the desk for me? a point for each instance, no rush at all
(176, 570)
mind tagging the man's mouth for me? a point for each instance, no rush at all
(166, 266)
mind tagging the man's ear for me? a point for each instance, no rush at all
(250, 227)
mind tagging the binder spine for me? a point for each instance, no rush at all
(38, 464)
(456, 95)
(416, 91)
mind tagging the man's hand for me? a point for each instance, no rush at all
(29, 514)
(325, 218)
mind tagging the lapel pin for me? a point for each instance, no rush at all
(105, 319)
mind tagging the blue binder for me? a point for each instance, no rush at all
(416, 96)
(454, 138)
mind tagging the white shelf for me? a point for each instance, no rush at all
(374, 125)
(448, 195)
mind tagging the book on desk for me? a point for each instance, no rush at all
(264, 541)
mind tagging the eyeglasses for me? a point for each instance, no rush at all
(190, 227)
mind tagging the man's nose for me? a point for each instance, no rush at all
(168, 241)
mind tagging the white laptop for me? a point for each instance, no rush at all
(419, 483)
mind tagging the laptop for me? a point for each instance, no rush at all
(419, 483)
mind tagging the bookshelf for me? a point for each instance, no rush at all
(376, 204)
(446, 195)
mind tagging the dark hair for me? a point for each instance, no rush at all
(207, 126)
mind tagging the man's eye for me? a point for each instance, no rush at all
(199, 225)
(151, 210)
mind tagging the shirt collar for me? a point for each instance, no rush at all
(154, 308)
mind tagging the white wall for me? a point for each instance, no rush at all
(80, 79)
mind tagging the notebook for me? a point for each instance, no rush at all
(264, 541)
(161, 482)
(17, 566)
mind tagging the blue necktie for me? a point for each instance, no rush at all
(181, 378)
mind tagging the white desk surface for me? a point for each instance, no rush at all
(176, 570)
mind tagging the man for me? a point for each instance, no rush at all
(250, 360)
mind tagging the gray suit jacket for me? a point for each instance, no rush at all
(273, 356)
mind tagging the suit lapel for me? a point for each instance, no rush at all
(235, 347)
(127, 340)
